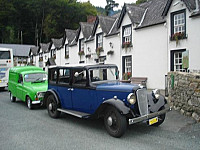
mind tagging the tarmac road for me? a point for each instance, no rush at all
(24, 129)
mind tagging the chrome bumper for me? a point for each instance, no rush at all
(149, 116)
(36, 102)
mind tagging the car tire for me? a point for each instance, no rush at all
(161, 118)
(12, 98)
(52, 107)
(29, 102)
(114, 122)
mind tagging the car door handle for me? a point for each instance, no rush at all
(72, 89)
(69, 89)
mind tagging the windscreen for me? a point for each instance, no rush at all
(4, 54)
(103, 74)
(35, 77)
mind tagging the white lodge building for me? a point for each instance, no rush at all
(146, 40)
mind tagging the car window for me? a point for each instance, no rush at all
(64, 76)
(52, 76)
(79, 77)
(20, 79)
(35, 77)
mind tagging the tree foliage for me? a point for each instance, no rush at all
(109, 7)
(34, 21)
(140, 1)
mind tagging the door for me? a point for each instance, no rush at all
(83, 97)
(64, 87)
(20, 88)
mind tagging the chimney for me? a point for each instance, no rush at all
(197, 6)
(91, 19)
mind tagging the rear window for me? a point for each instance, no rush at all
(4, 54)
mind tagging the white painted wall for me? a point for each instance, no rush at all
(192, 43)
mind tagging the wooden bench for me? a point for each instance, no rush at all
(139, 80)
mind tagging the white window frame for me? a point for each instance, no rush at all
(179, 23)
(127, 34)
(178, 61)
(99, 40)
(128, 64)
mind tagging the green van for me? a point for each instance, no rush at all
(28, 83)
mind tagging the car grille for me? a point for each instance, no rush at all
(142, 101)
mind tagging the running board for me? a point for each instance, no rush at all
(74, 113)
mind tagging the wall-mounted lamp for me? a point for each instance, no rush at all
(111, 44)
(89, 50)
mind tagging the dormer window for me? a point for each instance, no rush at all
(178, 25)
(53, 53)
(126, 36)
(81, 45)
(40, 56)
(99, 40)
(66, 51)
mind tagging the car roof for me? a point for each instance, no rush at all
(26, 69)
(84, 66)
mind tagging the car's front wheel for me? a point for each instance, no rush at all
(52, 107)
(114, 122)
(29, 102)
(12, 98)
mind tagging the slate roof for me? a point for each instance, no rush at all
(58, 43)
(106, 23)
(34, 50)
(45, 47)
(86, 29)
(18, 49)
(190, 4)
(70, 34)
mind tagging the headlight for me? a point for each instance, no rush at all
(131, 98)
(156, 93)
(40, 94)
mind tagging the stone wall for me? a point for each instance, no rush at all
(184, 93)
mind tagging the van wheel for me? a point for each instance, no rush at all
(12, 98)
(52, 107)
(114, 122)
(29, 103)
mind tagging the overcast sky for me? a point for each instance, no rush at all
(102, 3)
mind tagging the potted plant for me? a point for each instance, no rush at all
(126, 44)
(80, 53)
(66, 56)
(88, 56)
(177, 36)
(127, 75)
(99, 50)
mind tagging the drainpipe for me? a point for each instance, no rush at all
(197, 6)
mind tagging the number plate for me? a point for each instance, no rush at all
(153, 120)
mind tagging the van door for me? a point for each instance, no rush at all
(20, 88)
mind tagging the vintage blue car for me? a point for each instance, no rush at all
(94, 91)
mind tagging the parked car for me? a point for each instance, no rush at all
(28, 84)
(94, 91)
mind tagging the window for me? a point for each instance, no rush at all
(127, 66)
(66, 51)
(79, 77)
(52, 76)
(53, 53)
(177, 60)
(81, 45)
(178, 23)
(40, 56)
(99, 40)
(64, 76)
(126, 34)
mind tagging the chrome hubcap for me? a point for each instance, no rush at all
(50, 106)
(110, 121)
(29, 103)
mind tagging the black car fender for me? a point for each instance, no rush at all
(49, 92)
(156, 104)
(116, 103)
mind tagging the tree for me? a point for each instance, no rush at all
(109, 7)
(140, 1)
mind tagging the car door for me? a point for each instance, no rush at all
(83, 98)
(64, 87)
(20, 87)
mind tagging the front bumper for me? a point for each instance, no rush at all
(149, 116)
(36, 102)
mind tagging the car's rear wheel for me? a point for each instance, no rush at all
(161, 118)
(114, 122)
(12, 98)
(52, 107)
(29, 102)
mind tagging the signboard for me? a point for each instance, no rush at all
(185, 64)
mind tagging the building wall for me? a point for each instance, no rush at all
(192, 43)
